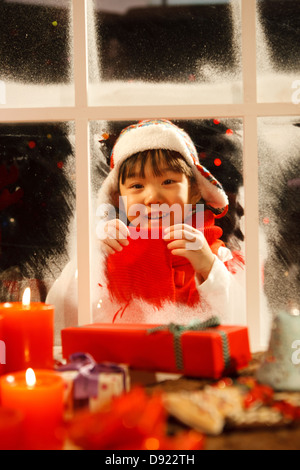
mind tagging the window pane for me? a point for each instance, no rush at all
(37, 186)
(36, 53)
(219, 147)
(165, 52)
(279, 173)
(278, 50)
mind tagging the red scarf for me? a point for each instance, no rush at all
(146, 269)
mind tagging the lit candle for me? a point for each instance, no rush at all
(2, 348)
(39, 397)
(27, 329)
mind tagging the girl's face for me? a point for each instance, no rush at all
(156, 201)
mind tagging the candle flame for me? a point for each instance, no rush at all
(30, 378)
(26, 297)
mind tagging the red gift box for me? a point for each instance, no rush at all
(211, 353)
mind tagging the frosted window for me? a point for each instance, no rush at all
(36, 53)
(279, 174)
(37, 189)
(219, 145)
(180, 52)
(278, 50)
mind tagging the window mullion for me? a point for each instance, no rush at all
(251, 173)
(249, 50)
(82, 161)
(252, 231)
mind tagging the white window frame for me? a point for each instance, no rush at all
(81, 113)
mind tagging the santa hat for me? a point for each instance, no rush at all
(161, 134)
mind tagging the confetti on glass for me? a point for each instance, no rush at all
(266, 220)
(60, 165)
(202, 155)
(229, 132)
(216, 122)
(218, 162)
(54, 23)
(31, 144)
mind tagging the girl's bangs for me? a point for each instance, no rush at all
(159, 160)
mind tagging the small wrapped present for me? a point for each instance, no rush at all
(91, 385)
(201, 349)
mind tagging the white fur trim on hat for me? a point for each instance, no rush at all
(161, 134)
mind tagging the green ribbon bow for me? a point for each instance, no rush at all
(178, 330)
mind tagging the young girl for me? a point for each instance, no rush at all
(160, 258)
(162, 264)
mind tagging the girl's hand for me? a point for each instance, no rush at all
(114, 236)
(188, 242)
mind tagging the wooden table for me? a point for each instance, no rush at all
(283, 438)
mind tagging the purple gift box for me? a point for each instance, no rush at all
(92, 385)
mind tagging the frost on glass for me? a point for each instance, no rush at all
(36, 51)
(278, 55)
(219, 145)
(184, 44)
(279, 174)
(36, 207)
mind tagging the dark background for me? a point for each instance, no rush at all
(152, 44)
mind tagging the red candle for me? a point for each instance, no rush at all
(11, 429)
(39, 397)
(2, 348)
(27, 329)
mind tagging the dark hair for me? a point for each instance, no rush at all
(158, 158)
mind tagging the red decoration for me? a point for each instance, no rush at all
(229, 132)
(8, 177)
(31, 144)
(237, 261)
(218, 162)
(133, 421)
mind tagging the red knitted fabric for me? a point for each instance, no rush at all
(146, 269)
